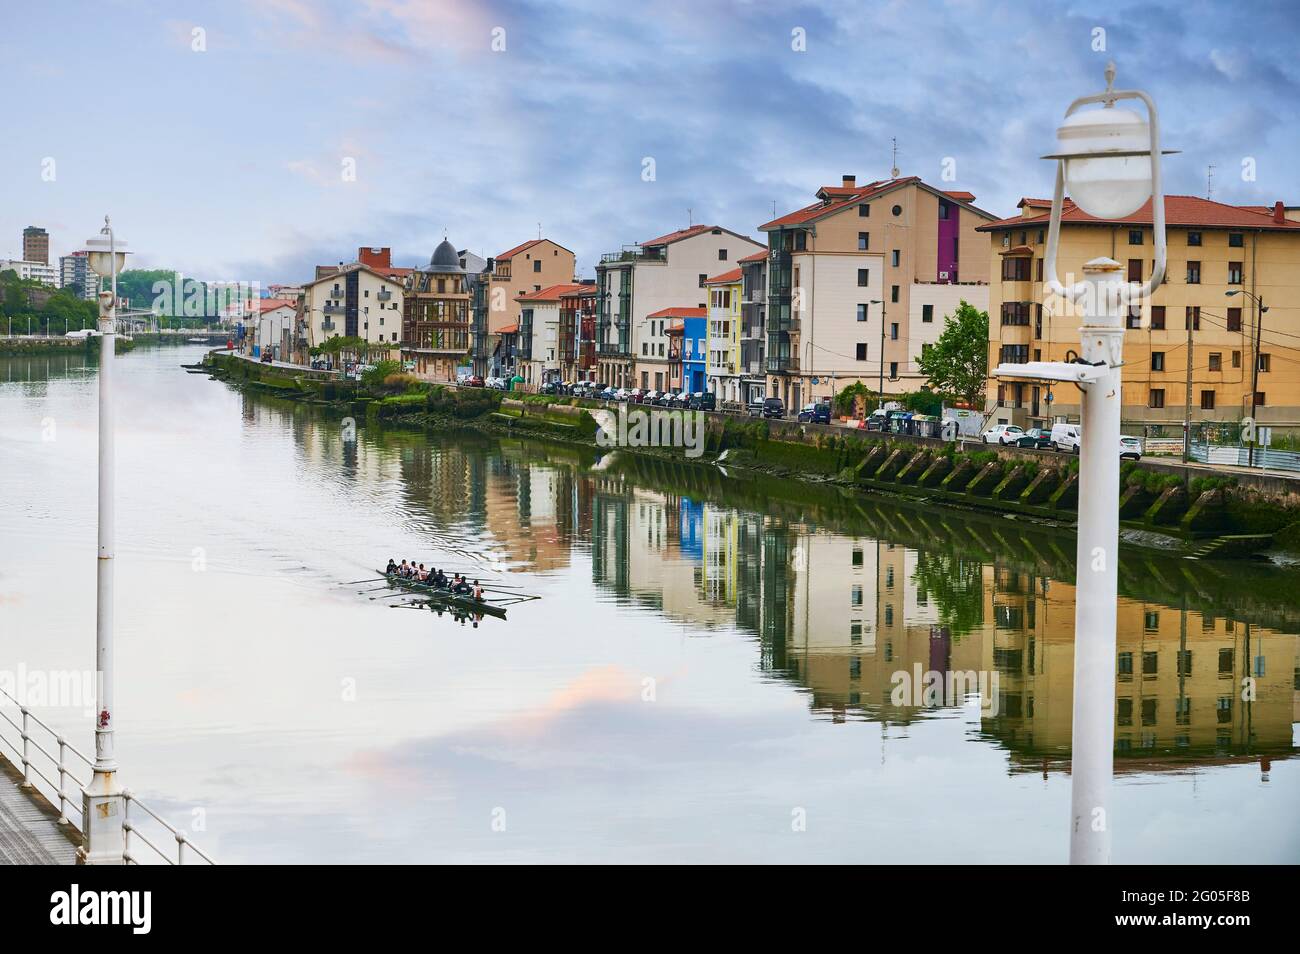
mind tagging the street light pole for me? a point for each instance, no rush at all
(103, 805)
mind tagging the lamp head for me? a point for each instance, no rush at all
(100, 253)
(1107, 157)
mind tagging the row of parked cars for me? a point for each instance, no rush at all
(1062, 437)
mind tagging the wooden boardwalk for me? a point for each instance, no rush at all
(30, 833)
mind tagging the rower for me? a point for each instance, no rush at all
(423, 574)
(478, 591)
(440, 580)
(401, 570)
(392, 567)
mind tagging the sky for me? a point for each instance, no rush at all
(252, 139)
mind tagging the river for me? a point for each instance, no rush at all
(712, 672)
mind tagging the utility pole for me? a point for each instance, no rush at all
(1187, 409)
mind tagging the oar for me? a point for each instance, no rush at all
(354, 582)
(391, 595)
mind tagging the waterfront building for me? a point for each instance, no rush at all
(540, 334)
(695, 349)
(724, 336)
(578, 332)
(505, 354)
(640, 280)
(436, 317)
(1189, 351)
(36, 245)
(753, 320)
(274, 327)
(353, 301)
(529, 267)
(674, 322)
(896, 256)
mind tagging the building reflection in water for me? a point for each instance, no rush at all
(842, 594)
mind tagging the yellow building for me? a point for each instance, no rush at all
(722, 369)
(1192, 326)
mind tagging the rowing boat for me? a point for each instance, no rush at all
(444, 597)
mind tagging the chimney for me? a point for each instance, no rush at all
(1279, 213)
(850, 182)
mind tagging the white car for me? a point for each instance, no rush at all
(1130, 448)
(1003, 434)
(1066, 437)
(83, 333)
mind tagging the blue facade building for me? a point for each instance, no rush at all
(695, 353)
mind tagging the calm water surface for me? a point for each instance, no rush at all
(707, 676)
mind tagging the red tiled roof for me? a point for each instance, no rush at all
(270, 304)
(511, 253)
(678, 235)
(550, 292)
(726, 278)
(676, 328)
(679, 312)
(1180, 210)
(580, 289)
(509, 329)
(756, 257)
(840, 198)
(961, 196)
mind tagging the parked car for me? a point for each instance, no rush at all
(266, 357)
(754, 408)
(1003, 434)
(663, 399)
(818, 412)
(83, 333)
(1035, 437)
(474, 381)
(703, 401)
(1130, 448)
(680, 399)
(649, 397)
(877, 420)
(773, 407)
(1066, 437)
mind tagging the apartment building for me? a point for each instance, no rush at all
(753, 322)
(884, 261)
(31, 271)
(529, 267)
(578, 332)
(353, 301)
(723, 367)
(686, 349)
(36, 245)
(1196, 351)
(436, 317)
(694, 349)
(545, 337)
(75, 273)
(274, 326)
(640, 280)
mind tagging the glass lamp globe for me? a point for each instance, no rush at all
(100, 258)
(1103, 185)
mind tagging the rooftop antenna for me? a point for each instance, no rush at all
(539, 231)
(893, 160)
(1209, 181)
(690, 217)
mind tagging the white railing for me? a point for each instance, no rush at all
(74, 769)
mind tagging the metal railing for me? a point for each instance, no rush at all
(74, 768)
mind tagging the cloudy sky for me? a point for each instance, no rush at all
(252, 139)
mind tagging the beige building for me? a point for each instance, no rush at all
(540, 334)
(530, 267)
(1192, 328)
(353, 301)
(632, 348)
(891, 258)
(436, 317)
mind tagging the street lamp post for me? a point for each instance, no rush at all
(1110, 158)
(1260, 309)
(102, 804)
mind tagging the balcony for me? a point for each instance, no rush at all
(634, 253)
(385, 295)
(332, 308)
(782, 364)
(328, 325)
(614, 349)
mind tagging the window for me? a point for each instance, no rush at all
(1225, 662)
(1156, 398)
(857, 556)
(1236, 240)
(703, 279)
(864, 241)
(1134, 236)
(800, 241)
(1259, 399)
(1264, 362)
(1015, 269)
(1157, 317)
(1234, 273)
(893, 373)
(1038, 320)
(898, 210)
(1123, 711)
(1134, 318)
(1236, 359)
(862, 312)
(1135, 269)
(1038, 272)
(862, 351)
(1216, 361)
(1151, 659)
(1157, 360)
(537, 264)
(927, 313)
(893, 293)
(1193, 273)
(1149, 711)
(893, 334)
(863, 277)
(1194, 239)
(722, 254)
(1207, 400)
(1151, 621)
(1234, 319)
(1014, 354)
(1015, 313)
(1192, 317)
(864, 211)
(1124, 665)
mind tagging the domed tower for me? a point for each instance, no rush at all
(436, 323)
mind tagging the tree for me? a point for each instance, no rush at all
(958, 362)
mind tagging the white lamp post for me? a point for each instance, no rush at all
(103, 809)
(1110, 160)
